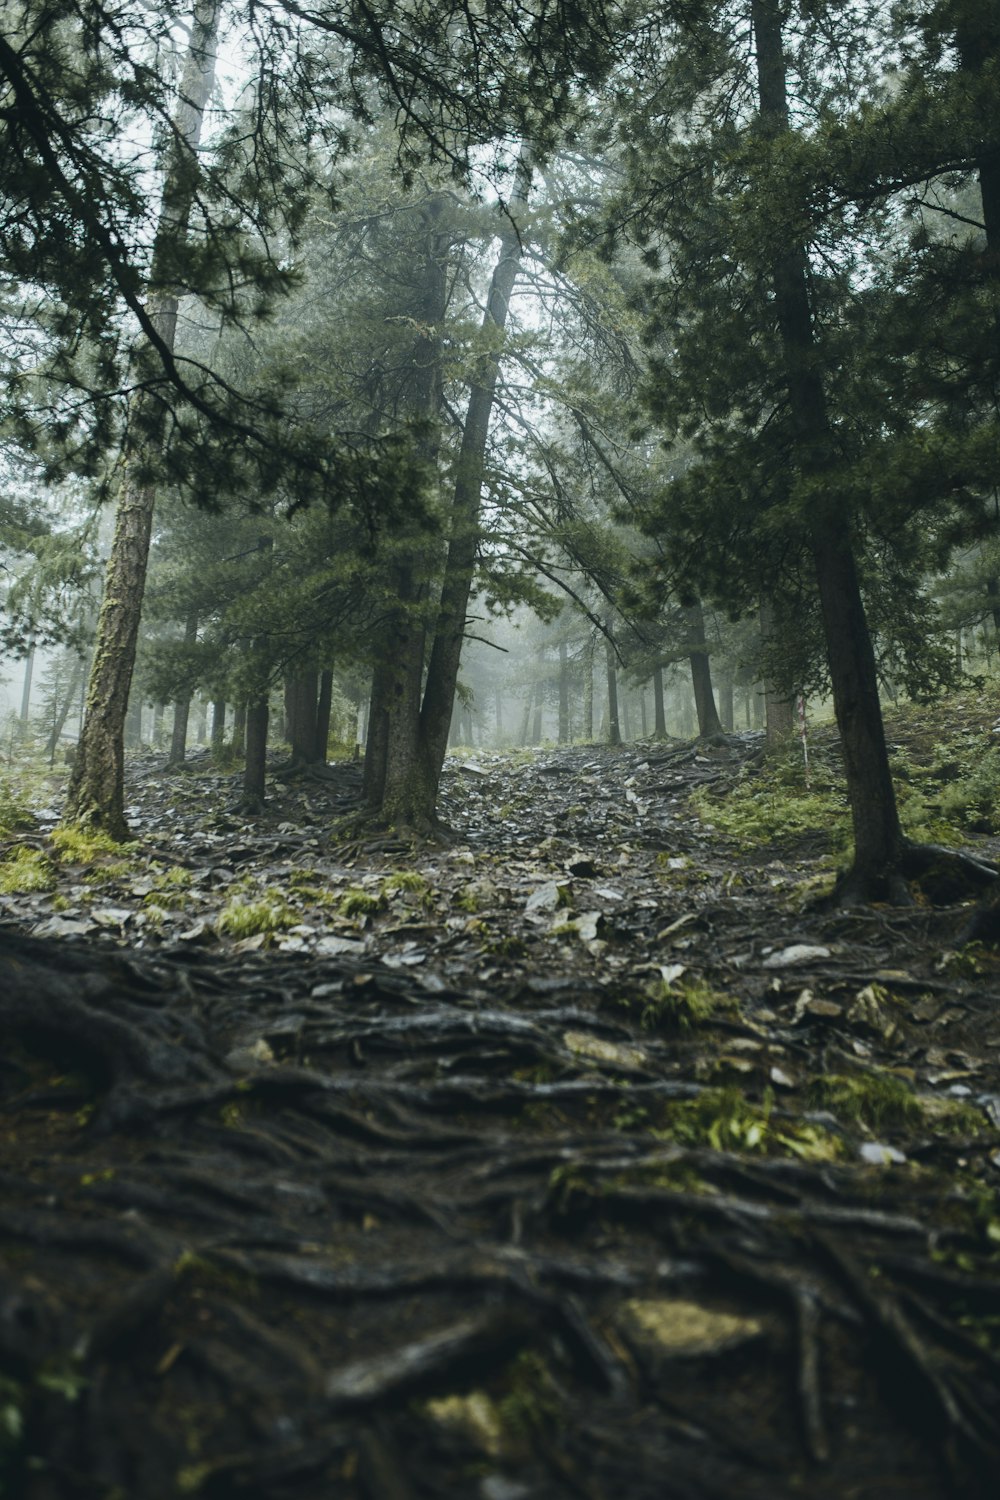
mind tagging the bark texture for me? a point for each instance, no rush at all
(878, 838)
(96, 793)
(709, 723)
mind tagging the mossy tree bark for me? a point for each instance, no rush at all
(96, 793)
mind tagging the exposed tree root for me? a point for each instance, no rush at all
(941, 876)
(387, 1281)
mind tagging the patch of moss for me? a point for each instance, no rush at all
(15, 809)
(409, 881)
(726, 1120)
(763, 808)
(84, 846)
(682, 1005)
(531, 1402)
(876, 1099)
(357, 902)
(243, 919)
(110, 873)
(26, 870)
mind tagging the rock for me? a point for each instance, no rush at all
(475, 1416)
(248, 1056)
(543, 898)
(338, 947)
(672, 1328)
(878, 1154)
(584, 1044)
(797, 953)
(60, 927)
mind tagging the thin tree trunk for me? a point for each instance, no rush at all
(878, 838)
(726, 705)
(377, 738)
(255, 768)
(779, 713)
(132, 731)
(587, 728)
(463, 544)
(29, 668)
(563, 694)
(526, 719)
(62, 712)
(536, 723)
(240, 727)
(324, 709)
(182, 705)
(709, 723)
(218, 727)
(659, 714)
(96, 792)
(614, 729)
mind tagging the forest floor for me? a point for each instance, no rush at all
(585, 1155)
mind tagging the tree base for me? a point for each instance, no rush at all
(938, 875)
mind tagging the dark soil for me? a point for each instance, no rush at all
(596, 1163)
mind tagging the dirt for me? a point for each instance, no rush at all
(595, 1162)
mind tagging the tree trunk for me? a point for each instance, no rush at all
(779, 712)
(726, 704)
(659, 714)
(29, 668)
(878, 838)
(526, 718)
(709, 723)
(62, 712)
(255, 769)
(614, 729)
(182, 705)
(463, 543)
(132, 732)
(377, 738)
(563, 694)
(396, 780)
(96, 792)
(324, 709)
(587, 728)
(536, 723)
(301, 702)
(240, 727)
(218, 727)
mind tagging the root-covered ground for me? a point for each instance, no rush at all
(580, 1157)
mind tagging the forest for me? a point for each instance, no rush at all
(499, 749)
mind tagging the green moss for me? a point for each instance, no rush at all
(110, 873)
(531, 1402)
(242, 919)
(409, 881)
(84, 846)
(357, 902)
(26, 870)
(15, 809)
(877, 1099)
(773, 804)
(726, 1120)
(684, 1004)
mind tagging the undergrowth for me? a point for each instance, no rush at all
(947, 784)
